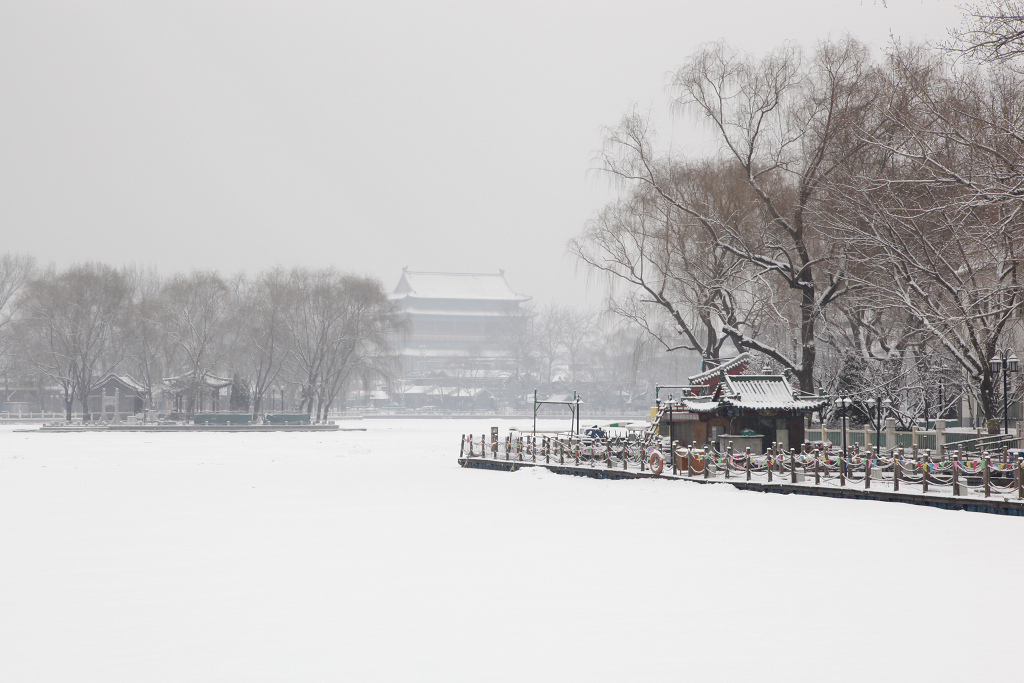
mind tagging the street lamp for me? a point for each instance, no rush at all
(879, 404)
(942, 394)
(842, 404)
(1005, 360)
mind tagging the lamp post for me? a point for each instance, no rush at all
(942, 394)
(878, 404)
(842, 404)
(1005, 360)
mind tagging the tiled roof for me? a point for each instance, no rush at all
(423, 285)
(124, 380)
(756, 392)
(728, 365)
(211, 380)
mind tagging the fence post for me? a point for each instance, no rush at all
(1020, 478)
(842, 471)
(689, 460)
(924, 470)
(896, 471)
(867, 472)
(672, 452)
(707, 470)
(792, 468)
(986, 475)
(746, 466)
(462, 446)
(956, 476)
(771, 464)
(817, 470)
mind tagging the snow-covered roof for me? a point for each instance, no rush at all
(211, 380)
(453, 392)
(712, 373)
(124, 380)
(755, 392)
(418, 390)
(424, 285)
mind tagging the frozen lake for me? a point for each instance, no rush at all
(372, 556)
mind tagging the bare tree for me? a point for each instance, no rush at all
(684, 288)
(341, 325)
(146, 359)
(265, 336)
(548, 328)
(15, 272)
(785, 125)
(193, 314)
(992, 31)
(935, 220)
(73, 327)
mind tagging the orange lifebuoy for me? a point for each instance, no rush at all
(657, 462)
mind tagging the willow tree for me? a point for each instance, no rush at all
(784, 124)
(73, 326)
(937, 213)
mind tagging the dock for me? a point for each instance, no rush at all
(971, 484)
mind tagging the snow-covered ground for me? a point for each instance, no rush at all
(371, 556)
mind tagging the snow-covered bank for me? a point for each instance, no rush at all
(373, 556)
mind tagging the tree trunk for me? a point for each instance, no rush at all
(257, 404)
(808, 350)
(987, 397)
(83, 398)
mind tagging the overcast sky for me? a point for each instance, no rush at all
(363, 135)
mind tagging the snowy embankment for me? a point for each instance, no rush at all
(373, 556)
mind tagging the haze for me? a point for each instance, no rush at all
(367, 136)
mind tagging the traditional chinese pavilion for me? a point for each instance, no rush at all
(748, 410)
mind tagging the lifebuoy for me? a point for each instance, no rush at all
(657, 462)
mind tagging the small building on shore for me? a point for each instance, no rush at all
(190, 394)
(115, 398)
(752, 411)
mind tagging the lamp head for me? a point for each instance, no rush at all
(995, 364)
(1011, 363)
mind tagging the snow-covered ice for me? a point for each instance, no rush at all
(371, 556)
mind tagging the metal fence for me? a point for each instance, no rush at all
(921, 439)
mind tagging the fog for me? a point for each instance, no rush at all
(367, 136)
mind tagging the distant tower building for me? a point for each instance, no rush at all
(459, 335)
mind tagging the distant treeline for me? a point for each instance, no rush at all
(317, 330)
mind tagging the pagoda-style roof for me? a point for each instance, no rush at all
(479, 286)
(737, 365)
(209, 380)
(755, 392)
(123, 382)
